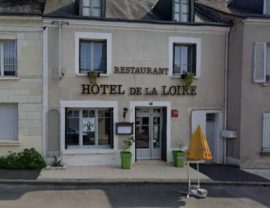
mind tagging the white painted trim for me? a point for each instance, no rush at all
(45, 90)
(167, 104)
(87, 104)
(180, 40)
(93, 36)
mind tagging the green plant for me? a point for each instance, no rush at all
(28, 159)
(127, 143)
(180, 144)
(92, 76)
(187, 79)
(56, 162)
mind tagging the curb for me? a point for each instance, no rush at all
(128, 181)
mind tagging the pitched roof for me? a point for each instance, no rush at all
(21, 7)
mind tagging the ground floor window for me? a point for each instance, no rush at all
(8, 121)
(89, 128)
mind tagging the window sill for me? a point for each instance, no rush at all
(8, 78)
(85, 75)
(9, 143)
(89, 151)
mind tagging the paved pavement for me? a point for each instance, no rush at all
(130, 195)
(142, 171)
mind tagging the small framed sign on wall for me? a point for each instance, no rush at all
(124, 128)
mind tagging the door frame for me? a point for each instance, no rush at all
(199, 116)
(138, 104)
(151, 149)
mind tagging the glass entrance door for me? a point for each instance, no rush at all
(148, 133)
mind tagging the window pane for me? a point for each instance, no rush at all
(176, 17)
(86, 11)
(96, 3)
(72, 127)
(85, 57)
(105, 127)
(184, 59)
(177, 8)
(86, 3)
(96, 12)
(100, 57)
(89, 127)
(8, 121)
(176, 65)
(10, 59)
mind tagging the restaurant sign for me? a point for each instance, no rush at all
(103, 89)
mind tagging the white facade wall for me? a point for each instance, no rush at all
(25, 90)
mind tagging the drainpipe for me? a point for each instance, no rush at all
(60, 26)
(226, 94)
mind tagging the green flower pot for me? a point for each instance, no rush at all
(126, 160)
(178, 158)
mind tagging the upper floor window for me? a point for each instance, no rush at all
(266, 8)
(8, 58)
(261, 71)
(93, 52)
(93, 56)
(184, 58)
(181, 10)
(91, 8)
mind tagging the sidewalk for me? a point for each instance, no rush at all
(142, 171)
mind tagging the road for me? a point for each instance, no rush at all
(130, 195)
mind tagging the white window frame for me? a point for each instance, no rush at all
(185, 40)
(90, 8)
(81, 145)
(93, 36)
(98, 104)
(265, 46)
(180, 12)
(2, 68)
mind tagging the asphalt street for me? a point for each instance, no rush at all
(130, 195)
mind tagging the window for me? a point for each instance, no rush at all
(93, 52)
(89, 128)
(92, 56)
(181, 10)
(261, 71)
(266, 132)
(266, 8)
(8, 59)
(8, 121)
(91, 8)
(184, 58)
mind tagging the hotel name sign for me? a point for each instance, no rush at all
(116, 89)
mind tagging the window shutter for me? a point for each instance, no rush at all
(259, 71)
(266, 132)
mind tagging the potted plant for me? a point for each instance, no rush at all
(178, 155)
(187, 79)
(125, 153)
(92, 76)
